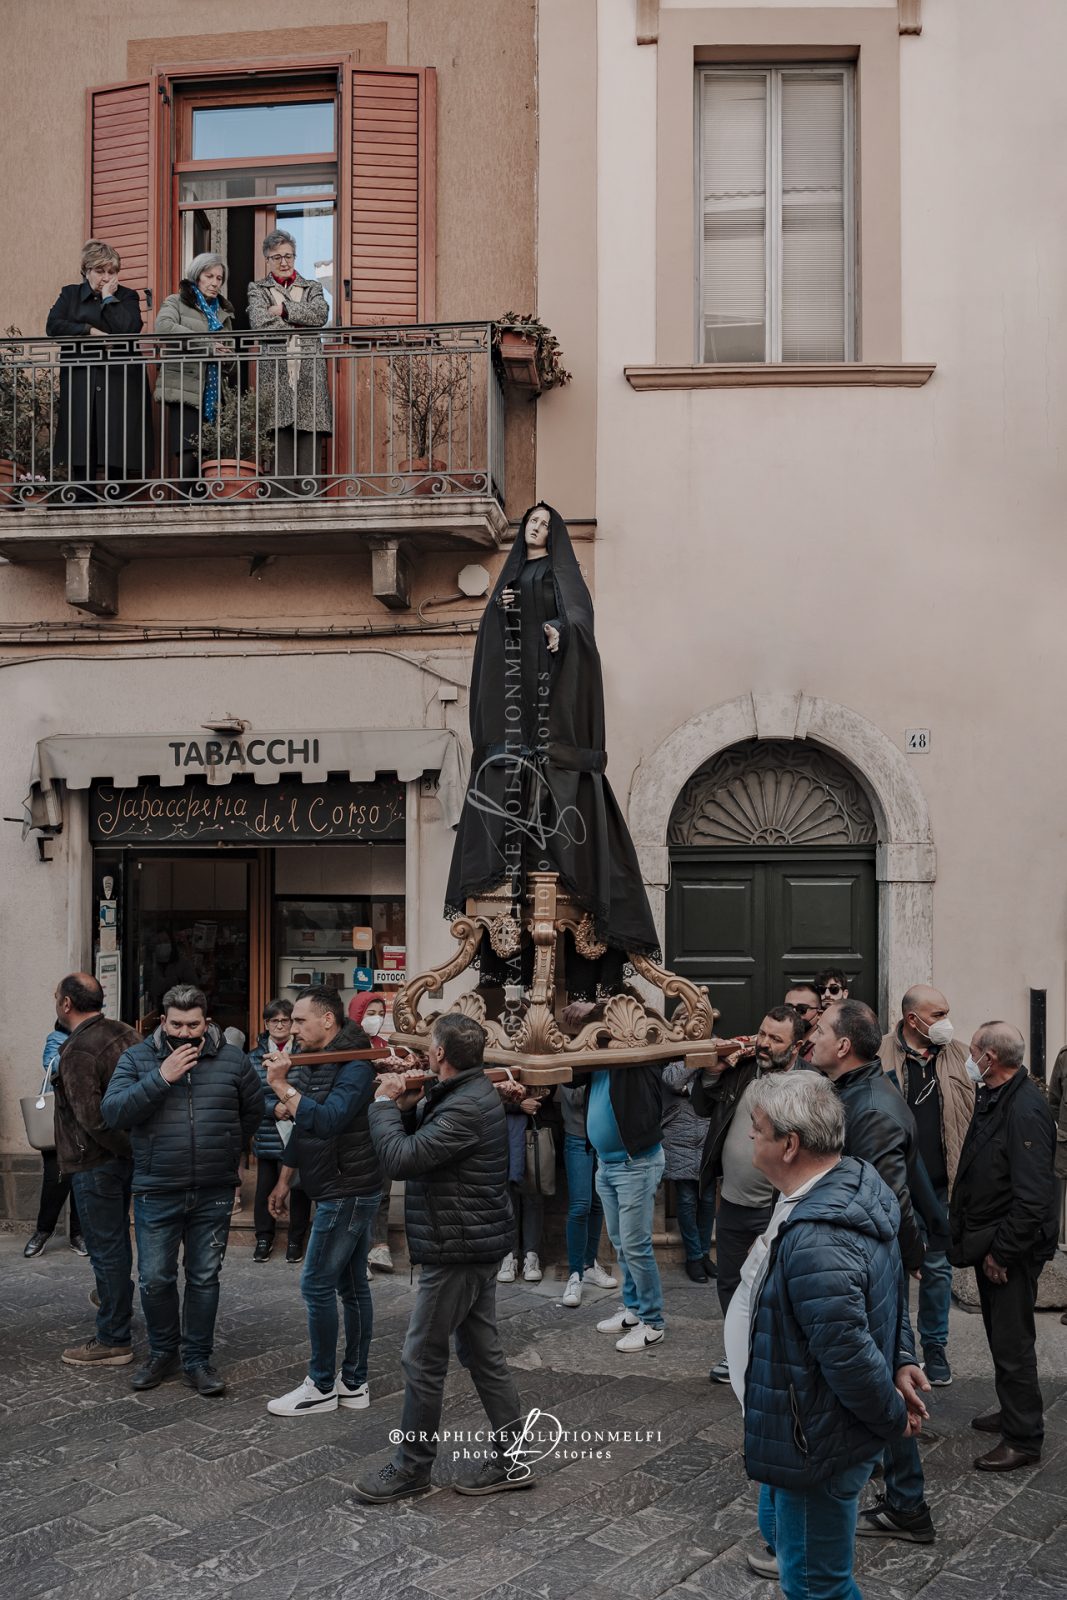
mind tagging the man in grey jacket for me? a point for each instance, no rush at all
(452, 1152)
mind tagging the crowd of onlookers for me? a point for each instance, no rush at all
(830, 1159)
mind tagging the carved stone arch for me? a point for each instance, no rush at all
(772, 792)
(905, 859)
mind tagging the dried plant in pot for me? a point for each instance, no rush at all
(243, 447)
(27, 411)
(429, 396)
(529, 353)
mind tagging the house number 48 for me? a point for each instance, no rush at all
(917, 740)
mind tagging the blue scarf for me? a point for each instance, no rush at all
(210, 308)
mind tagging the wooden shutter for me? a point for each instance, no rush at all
(121, 160)
(392, 196)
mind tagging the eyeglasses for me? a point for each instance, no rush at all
(803, 1005)
(832, 988)
(282, 260)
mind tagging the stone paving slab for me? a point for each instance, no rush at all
(108, 1495)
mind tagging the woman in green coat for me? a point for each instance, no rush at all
(189, 388)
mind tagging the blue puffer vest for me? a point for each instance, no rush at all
(189, 1134)
(829, 1330)
(268, 1141)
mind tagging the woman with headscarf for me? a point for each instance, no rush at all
(294, 396)
(538, 798)
(189, 388)
(104, 417)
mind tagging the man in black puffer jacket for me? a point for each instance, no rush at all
(190, 1103)
(331, 1146)
(453, 1157)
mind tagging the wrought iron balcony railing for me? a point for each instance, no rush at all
(374, 414)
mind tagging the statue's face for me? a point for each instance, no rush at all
(537, 532)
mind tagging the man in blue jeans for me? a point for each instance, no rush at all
(97, 1160)
(624, 1125)
(817, 1337)
(325, 1106)
(190, 1103)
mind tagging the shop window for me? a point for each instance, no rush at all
(347, 944)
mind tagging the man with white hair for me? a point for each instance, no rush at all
(1004, 1224)
(818, 1337)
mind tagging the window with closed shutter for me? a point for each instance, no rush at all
(121, 197)
(393, 177)
(777, 251)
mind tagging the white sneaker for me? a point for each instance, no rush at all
(508, 1268)
(352, 1399)
(381, 1258)
(572, 1294)
(622, 1320)
(531, 1268)
(305, 1401)
(639, 1338)
(597, 1276)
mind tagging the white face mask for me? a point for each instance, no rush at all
(973, 1070)
(941, 1031)
(372, 1025)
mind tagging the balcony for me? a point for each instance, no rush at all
(113, 449)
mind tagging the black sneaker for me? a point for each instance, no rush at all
(155, 1369)
(36, 1243)
(696, 1271)
(936, 1364)
(881, 1521)
(488, 1476)
(294, 1250)
(205, 1380)
(264, 1246)
(710, 1268)
(391, 1483)
(78, 1245)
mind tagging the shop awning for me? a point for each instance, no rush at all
(171, 758)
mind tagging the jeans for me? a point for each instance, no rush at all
(462, 1301)
(695, 1217)
(381, 1221)
(103, 1195)
(1008, 1315)
(812, 1532)
(336, 1265)
(935, 1292)
(163, 1221)
(737, 1229)
(54, 1190)
(628, 1192)
(585, 1213)
(529, 1212)
(905, 1486)
(268, 1169)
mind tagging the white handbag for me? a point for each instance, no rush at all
(38, 1113)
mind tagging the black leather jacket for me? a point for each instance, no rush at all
(1004, 1201)
(880, 1128)
(719, 1101)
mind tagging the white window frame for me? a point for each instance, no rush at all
(774, 73)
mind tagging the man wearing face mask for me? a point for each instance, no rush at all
(746, 1198)
(927, 1065)
(1004, 1224)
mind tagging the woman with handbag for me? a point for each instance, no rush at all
(55, 1188)
(531, 1175)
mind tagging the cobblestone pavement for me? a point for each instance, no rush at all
(167, 1496)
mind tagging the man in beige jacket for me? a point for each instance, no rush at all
(927, 1064)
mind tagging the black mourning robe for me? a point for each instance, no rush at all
(538, 798)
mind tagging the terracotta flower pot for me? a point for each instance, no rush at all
(424, 464)
(518, 356)
(8, 478)
(237, 480)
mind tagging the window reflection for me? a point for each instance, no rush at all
(292, 128)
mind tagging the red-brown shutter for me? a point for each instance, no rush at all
(120, 161)
(392, 198)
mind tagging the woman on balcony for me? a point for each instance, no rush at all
(291, 380)
(104, 417)
(189, 387)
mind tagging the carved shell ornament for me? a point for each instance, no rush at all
(772, 792)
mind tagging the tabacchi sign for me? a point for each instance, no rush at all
(244, 812)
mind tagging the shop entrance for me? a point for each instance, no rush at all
(189, 918)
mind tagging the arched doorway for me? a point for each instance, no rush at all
(772, 875)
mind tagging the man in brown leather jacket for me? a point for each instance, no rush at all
(97, 1158)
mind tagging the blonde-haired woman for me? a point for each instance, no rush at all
(190, 388)
(104, 419)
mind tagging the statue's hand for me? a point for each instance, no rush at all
(551, 638)
(507, 596)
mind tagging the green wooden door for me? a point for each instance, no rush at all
(750, 922)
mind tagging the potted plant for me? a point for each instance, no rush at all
(529, 353)
(27, 395)
(428, 392)
(244, 449)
